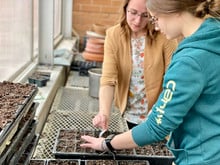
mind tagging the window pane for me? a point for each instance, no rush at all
(15, 35)
(36, 24)
(57, 18)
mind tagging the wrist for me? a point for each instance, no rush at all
(104, 146)
(107, 142)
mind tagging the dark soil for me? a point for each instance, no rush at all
(12, 97)
(69, 141)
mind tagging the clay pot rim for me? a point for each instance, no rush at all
(94, 34)
(96, 51)
(95, 46)
(96, 40)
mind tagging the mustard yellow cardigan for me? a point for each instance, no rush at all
(117, 65)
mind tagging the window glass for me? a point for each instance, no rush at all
(15, 36)
(19, 34)
(36, 24)
(57, 18)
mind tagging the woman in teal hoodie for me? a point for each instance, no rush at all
(189, 106)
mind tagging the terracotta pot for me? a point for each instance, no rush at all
(94, 34)
(95, 48)
(96, 40)
(92, 50)
(99, 29)
(92, 56)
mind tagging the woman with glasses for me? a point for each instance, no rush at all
(135, 59)
(189, 105)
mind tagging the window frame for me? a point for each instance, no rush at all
(46, 41)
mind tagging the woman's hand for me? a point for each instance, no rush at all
(100, 121)
(92, 142)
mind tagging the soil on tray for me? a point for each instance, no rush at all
(158, 149)
(63, 162)
(161, 149)
(37, 162)
(116, 162)
(12, 96)
(68, 142)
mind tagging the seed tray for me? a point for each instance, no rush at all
(26, 156)
(9, 130)
(14, 101)
(23, 128)
(37, 162)
(44, 74)
(76, 65)
(27, 139)
(11, 149)
(155, 149)
(39, 78)
(67, 146)
(84, 66)
(40, 81)
(63, 162)
(156, 153)
(24, 159)
(115, 162)
(68, 142)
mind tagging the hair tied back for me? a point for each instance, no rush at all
(207, 6)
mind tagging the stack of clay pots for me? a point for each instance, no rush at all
(94, 50)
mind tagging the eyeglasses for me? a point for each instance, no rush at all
(135, 14)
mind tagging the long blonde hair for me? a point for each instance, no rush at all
(150, 29)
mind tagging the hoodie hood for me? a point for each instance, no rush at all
(207, 37)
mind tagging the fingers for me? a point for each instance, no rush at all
(100, 121)
(86, 145)
(87, 141)
(96, 121)
(87, 138)
(92, 142)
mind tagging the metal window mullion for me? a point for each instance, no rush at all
(46, 31)
(67, 18)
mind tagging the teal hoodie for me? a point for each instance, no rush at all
(189, 105)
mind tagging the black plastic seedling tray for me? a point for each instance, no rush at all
(68, 143)
(26, 140)
(115, 162)
(67, 146)
(26, 156)
(22, 131)
(46, 75)
(9, 130)
(39, 78)
(84, 66)
(40, 81)
(37, 162)
(63, 162)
